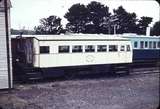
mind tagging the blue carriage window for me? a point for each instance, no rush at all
(150, 44)
(146, 44)
(158, 45)
(135, 44)
(44, 49)
(142, 44)
(102, 48)
(154, 44)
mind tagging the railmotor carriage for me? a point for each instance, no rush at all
(54, 55)
(145, 48)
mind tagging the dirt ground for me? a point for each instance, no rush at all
(98, 92)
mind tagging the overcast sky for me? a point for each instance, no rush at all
(27, 13)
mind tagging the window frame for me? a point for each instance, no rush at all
(128, 48)
(101, 48)
(158, 44)
(150, 44)
(123, 48)
(154, 44)
(61, 51)
(44, 49)
(90, 50)
(114, 48)
(146, 44)
(74, 50)
(142, 44)
(135, 44)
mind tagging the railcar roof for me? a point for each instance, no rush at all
(88, 37)
(139, 36)
(74, 37)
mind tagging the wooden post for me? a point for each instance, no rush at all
(7, 43)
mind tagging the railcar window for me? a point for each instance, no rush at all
(146, 44)
(76, 48)
(44, 49)
(154, 44)
(122, 48)
(158, 45)
(142, 44)
(89, 48)
(63, 49)
(135, 44)
(150, 44)
(101, 48)
(128, 48)
(113, 48)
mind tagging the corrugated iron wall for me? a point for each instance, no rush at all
(5, 74)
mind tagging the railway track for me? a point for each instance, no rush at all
(142, 71)
(136, 69)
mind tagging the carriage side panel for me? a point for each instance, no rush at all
(55, 59)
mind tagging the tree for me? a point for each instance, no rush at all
(156, 29)
(143, 24)
(77, 17)
(50, 25)
(95, 18)
(98, 18)
(87, 19)
(126, 21)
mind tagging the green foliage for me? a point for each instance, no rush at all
(126, 21)
(156, 29)
(77, 17)
(87, 19)
(95, 18)
(98, 17)
(143, 24)
(50, 25)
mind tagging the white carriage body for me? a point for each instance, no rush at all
(55, 59)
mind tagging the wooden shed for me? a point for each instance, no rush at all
(5, 46)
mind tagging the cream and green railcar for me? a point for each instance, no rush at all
(59, 52)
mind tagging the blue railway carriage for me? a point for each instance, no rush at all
(52, 53)
(145, 48)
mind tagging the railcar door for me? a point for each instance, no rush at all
(28, 51)
(22, 51)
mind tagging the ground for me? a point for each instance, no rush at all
(136, 91)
